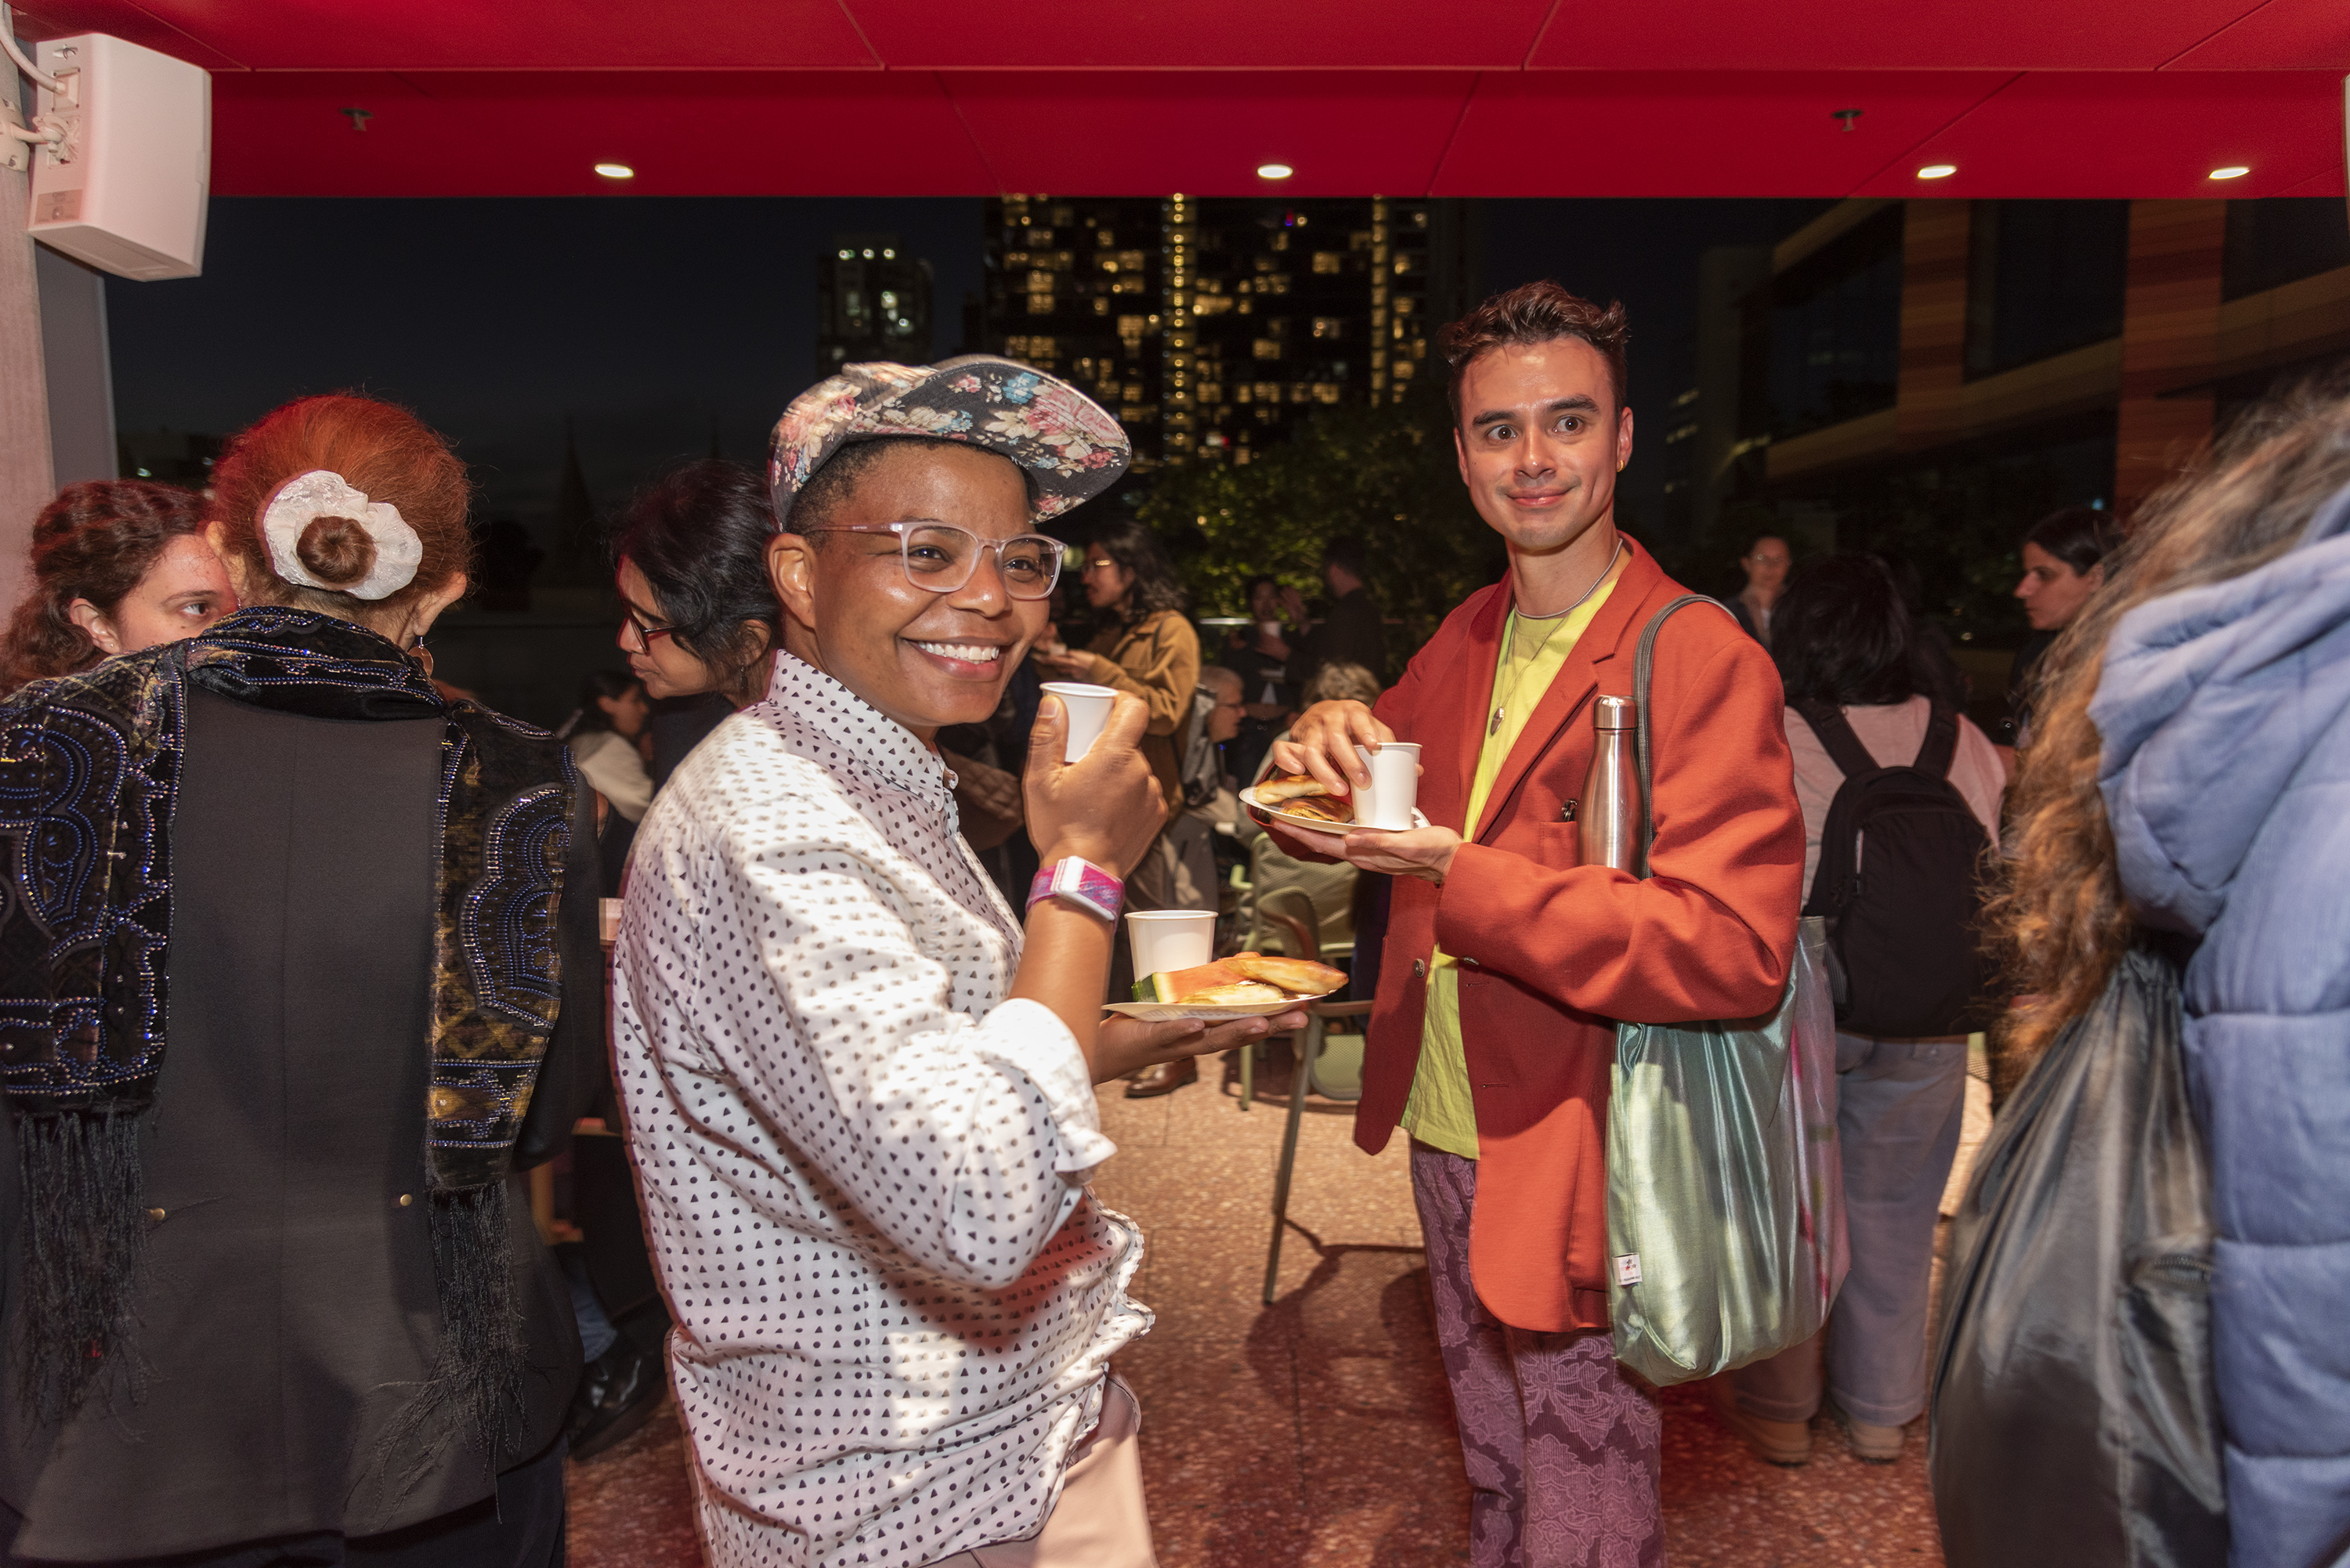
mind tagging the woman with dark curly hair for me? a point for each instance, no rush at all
(1147, 648)
(119, 564)
(699, 614)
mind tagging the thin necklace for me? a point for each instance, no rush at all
(1593, 588)
(1554, 617)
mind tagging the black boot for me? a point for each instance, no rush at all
(618, 1391)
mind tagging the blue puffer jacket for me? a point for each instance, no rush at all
(2225, 712)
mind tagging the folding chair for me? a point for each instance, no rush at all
(1317, 1018)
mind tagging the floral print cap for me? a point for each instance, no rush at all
(1070, 446)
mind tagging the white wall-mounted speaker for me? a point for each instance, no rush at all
(126, 189)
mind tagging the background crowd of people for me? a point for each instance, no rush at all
(2161, 772)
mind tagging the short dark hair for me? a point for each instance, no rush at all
(831, 485)
(1535, 312)
(1346, 552)
(1137, 547)
(700, 535)
(589, 716)
(1841, 634)
(2080, 537)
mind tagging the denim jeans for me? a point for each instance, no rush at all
(1899, 1104)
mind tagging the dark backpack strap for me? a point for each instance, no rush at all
(1844, 748)
(1941, 747)
(1643, 662)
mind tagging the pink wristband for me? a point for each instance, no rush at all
(1081, 882)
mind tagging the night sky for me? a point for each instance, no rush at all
(649, 322)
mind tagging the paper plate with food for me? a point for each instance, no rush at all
(1299, 800)
(1245, 985)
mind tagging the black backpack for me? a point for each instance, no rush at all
(1905, 955)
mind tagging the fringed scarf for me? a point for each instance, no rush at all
(90, 771)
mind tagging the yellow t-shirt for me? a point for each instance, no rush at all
(1439, 1111)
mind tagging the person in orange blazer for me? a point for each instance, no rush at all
(1507, 961)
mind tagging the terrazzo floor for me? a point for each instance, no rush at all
(1317, 1433)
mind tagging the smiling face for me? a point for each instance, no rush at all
(2051, 591)
(927, 659)
(1539, 442)
(184, 592)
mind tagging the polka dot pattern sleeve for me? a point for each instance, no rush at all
(915, 1112)
(862, 1167)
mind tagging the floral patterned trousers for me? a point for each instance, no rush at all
(1561, 1446)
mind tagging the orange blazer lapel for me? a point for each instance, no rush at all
(1450, 725)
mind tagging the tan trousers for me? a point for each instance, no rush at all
(1099, 1520)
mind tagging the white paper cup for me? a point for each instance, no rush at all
(1395, 785)
(1166, 940)
(1088, 709)
(608, 913)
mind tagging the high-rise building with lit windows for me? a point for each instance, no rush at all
(1210, 325)
(873, 302)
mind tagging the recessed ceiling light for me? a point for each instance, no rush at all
(616, 172)
(1274, 170)
(2232, 171)
(1937, 171)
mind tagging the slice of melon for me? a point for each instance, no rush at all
(1171, 986)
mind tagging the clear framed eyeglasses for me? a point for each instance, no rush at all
(941, 557)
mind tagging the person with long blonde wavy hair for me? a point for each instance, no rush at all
(2189, 785)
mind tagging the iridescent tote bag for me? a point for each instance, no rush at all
(1725, 1186)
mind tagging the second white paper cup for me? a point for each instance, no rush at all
(1168, 940)
(1395, 785)
(1088, 709)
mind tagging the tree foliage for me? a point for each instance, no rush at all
(1386, 476)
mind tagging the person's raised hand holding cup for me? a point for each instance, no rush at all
(1091, 796)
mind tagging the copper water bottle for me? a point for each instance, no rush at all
(1609, 811)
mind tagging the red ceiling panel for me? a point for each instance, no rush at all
(2329, 184)
(703, 134)
(1697, 98)
(62, 19)
(1734, 134)
(2140, 135)
(2284, 35)
(503, 36)
(1148, 133)
(1916, 34)
(1203, 35)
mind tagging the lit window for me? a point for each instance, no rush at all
(1329, 262)
(1325, 327)
(1268, 348)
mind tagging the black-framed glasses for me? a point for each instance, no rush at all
(941, 557)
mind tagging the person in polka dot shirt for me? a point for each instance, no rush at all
(858, 1088)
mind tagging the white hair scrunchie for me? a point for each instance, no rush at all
(306, 497)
